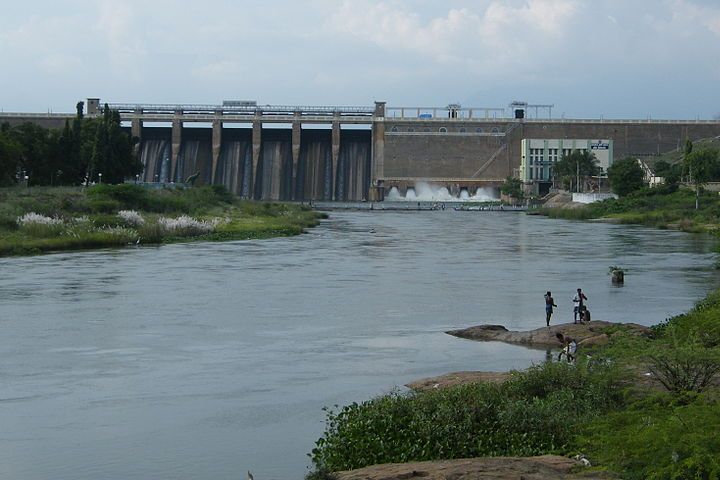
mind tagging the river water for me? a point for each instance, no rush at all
(205, 360)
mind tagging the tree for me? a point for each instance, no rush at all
(10, 157)
(512, 188)
(700, 164)
(111, 151)
(36, 145)
(626, 176)
(577, 166)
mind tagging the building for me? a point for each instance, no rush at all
(539, 155)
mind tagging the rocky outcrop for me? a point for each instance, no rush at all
(590, 333)
(491, 468)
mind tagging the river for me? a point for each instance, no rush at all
(205, 360)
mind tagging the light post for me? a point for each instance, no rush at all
(100, 178)
(27, 181)
(137, 179)
(577, 176)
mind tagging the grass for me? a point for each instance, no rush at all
(81, 219)
(598, 408)
(660, 207)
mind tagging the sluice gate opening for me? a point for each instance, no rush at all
(280, 166)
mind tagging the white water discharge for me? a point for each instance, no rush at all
(425, 192)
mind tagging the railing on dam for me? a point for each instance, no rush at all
(445, 113)
(189, 109)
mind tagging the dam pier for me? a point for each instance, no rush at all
(358, 153)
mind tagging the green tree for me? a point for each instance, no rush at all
(110, 149)
(576, 168)
(36, 145)
(512, 187)
(700, 164)
(671, 172)
(626, 176)
(10, 158)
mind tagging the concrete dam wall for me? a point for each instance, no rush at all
(279, 153)
(276, 174)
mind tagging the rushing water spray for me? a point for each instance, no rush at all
(425, 192)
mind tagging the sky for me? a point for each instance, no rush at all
(640, 59)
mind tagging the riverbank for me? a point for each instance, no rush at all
(46, 219)
(643, 403)
(667, 207)
(495, 468)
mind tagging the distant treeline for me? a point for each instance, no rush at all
(86, 150)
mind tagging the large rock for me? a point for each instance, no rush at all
(495, 468)
(543, 337)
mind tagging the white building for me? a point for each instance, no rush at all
(539, 156)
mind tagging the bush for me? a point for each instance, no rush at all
(684, 367)
(103, 205)
(126, 196)
(658, 438)
(535, 412)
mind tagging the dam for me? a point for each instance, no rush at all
(356, 153)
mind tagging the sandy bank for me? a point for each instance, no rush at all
(496, 468)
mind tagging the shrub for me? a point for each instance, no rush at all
(36, 225)
(533, 413)
(658, 438)
(103, 205)
(685, 367)
(131, 218)
(185, 226)
(124, 195)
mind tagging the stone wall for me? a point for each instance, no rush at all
(419, 149)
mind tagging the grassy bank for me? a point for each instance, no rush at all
(43, 219)
(637, 426)
(660, 207)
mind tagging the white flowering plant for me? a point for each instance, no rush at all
(131, 218)
(37, 225)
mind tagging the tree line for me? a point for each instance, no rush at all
(577, 170)
(86, 150)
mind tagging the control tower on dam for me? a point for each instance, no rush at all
(355, 153)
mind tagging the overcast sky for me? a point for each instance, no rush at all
(615, 58)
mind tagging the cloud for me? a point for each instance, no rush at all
(585, 56)
(477, 38)
(61, 64)
(124, 43)
(223, 69)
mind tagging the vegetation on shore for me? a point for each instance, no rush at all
(86, 150)
(660, 207)
(606, 407)
(41, 219)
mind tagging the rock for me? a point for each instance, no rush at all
(601, 339)
(542, 337)
(491, 468)
(457, 378)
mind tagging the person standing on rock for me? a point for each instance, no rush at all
(578, 301)
(549, 304)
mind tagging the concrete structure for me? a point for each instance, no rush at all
(540, 155)
(591, 197)
(454, 147)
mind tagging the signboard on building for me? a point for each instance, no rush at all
(599, 145)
